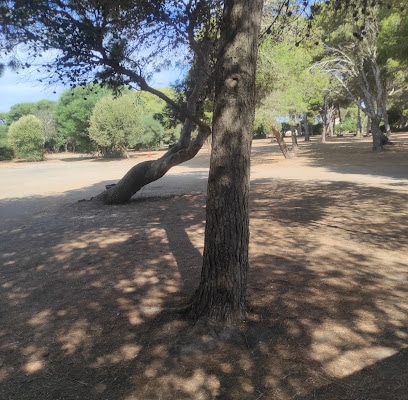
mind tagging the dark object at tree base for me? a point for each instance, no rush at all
(386, 140)
(110, 186)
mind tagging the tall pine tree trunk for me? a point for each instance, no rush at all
(221, 294)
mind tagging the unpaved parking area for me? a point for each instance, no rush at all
(66, 178)
(86, 290)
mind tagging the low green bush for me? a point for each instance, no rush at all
(349, 125)
(27, 139)
(6, 153)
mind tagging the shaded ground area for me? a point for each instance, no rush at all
(87, 292)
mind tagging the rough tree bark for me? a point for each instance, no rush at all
(221, 294)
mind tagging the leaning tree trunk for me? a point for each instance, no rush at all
(221, 294)
(282, 144)
(149, 171)
(185, 149)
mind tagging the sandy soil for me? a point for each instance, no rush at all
(87, 291)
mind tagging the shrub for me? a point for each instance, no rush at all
(317, 129)
(27, 139)
(260, 132)
(349, 125)
(152, 133)
(116, 123)
(6, 152)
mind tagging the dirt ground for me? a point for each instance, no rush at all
(88, 292)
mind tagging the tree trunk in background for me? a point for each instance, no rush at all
(328, 120)
(374, 113)
(282, 145)
(386, 123)
(378, 140)
(340, 121)
(221, 294)
(378, 107)
(368, 126)
(294, 139)
(306, 126)
(359, 132)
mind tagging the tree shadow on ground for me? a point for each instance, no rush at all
(385, 380)
(87, 297)
(72, 157)
(13, 208)
(17, 207)
(353, 156)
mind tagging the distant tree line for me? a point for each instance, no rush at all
(335, 79)
(344, 66)
(90, 119)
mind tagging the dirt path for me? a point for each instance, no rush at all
(66, 178)
(85, 289)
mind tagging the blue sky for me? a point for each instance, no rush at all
(21, 88)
